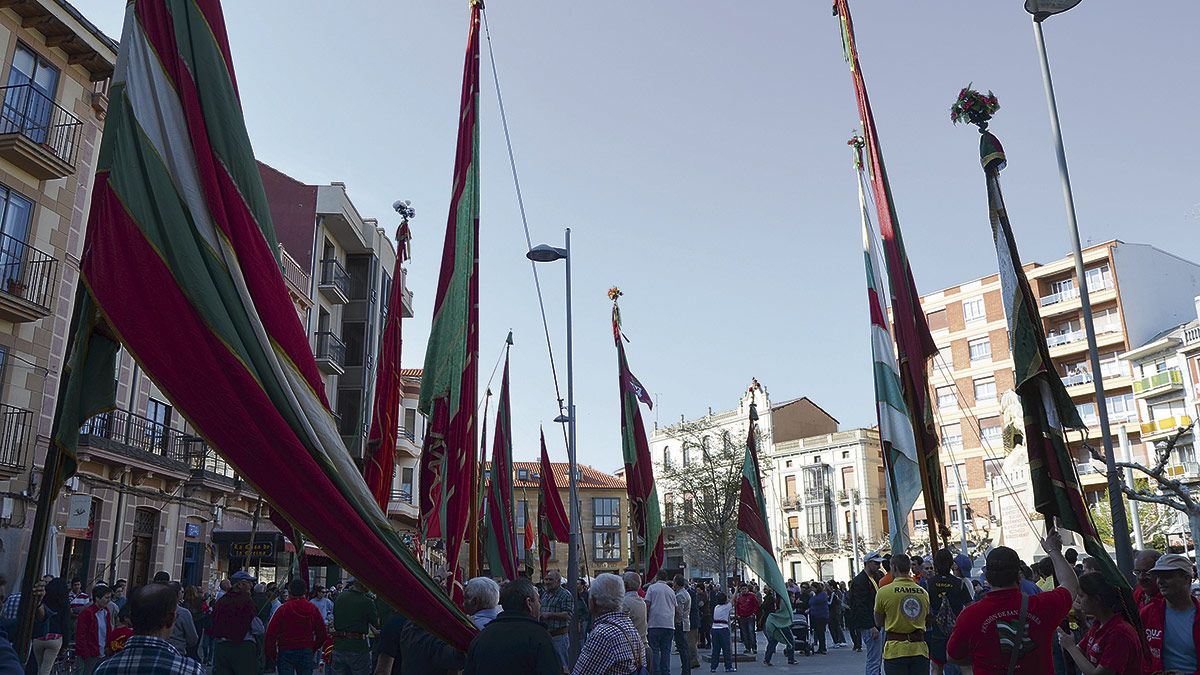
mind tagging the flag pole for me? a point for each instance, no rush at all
(1115, 494)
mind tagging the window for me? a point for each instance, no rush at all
(991, 431)
(789, 487)
(887, 525)
(1099, 278)
(523, 474)
(849, 481)
(788, 464)
(952, 435)
(14, 231)
(993, 468)
(606, 545)
(954, 514)
(606, 512)
(159, 415)
(819, 520)
(1111, 366)
(687, 454)
(1185, 452)
(956, 472)
(793, 525)
(1087, 411)
(1121, 407)
(670, 510)
(920, 522)
(1063, 287)
(666, 457)
(937, 320)
(980, 349)
(845, 454)
(1154, 367)
(519, 519)
(1106, 321)
(946, 400)
(816, 459)
(353, 337)
(688, 510)
(410, 423)
(29, 97)
(1160, 411)
(406, 482)
(985, 390)
(973, 311)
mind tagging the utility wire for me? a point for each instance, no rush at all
(512, 162)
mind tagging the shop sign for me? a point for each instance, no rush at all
(262, 549)
(79, 517)
(191, 530)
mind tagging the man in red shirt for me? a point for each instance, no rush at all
(745, 606)
(92, 629)
(296, 630)
(985, 631)
(1172, 620)
(1146, 589)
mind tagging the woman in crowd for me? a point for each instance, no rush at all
(722, 614)
(818, 615)
(1112, 644)
(50, 627)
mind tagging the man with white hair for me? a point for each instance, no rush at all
(635, 605)
(613, 645)
(481, 595)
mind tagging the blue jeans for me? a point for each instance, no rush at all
(294, 662)
(660, 648)
(873, 647)
(787, 650)
(721, 644)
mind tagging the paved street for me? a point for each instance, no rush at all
(837, 662)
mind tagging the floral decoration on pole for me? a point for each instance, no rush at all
(974, 108)
(614, 293)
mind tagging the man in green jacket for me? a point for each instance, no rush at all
(354, 614)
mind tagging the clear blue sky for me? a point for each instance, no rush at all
(698, 152)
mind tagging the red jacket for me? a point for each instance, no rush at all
(297, 624)
(746, 605)
(87, 632)
(1154, 619)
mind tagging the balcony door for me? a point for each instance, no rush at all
(29, 98)
(14, 232)
(141, 549)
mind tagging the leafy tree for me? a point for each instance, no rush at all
(1156, 521)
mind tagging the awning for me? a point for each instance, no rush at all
(310, 550)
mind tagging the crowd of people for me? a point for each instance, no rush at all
(910, 615)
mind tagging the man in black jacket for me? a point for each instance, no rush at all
(861, 615)
(514, 643)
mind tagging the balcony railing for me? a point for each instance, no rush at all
(138, 433)
(402, 495)
(409, 434)
(1066, 337)
(1164, 380)
(1077, 378)
(821, 540)
(1061, 296)
(1166, 425)
(27, 273)
(202, 458)
(31, 114)
(15, 425)
(1086, 468)
(1191, 335)
(331, 348)
(816, 494)
(334, 276)
(292, 271)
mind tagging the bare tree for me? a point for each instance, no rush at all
(706, 487)
(1171, 491)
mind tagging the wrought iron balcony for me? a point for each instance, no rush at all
(138, 437)
(27, 280)
(15, 427)
(334, 282)
(37, 134)
(402, 496)
(330, 353)
(205, 462)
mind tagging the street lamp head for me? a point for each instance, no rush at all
(546, 253)
(1040, 9)
(562, 419)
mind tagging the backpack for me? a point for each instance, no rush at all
(946, 615)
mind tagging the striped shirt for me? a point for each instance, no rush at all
(148, 655)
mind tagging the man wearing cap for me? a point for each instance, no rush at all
(353, 616)
(988, 630)
(1146, 588)
(901, 609)
(1171, 621)
(861, 617)
(235, 651)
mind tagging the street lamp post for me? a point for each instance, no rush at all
(545, 253)
(1041, 10)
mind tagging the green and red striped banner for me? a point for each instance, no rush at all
(553, 524)
(648, 546)
(499, 533)
(179, 262)
(449, 385)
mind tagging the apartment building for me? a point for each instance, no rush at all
(1136, 292)
(690, 442)
(603, 515)
(1167, 391)
(56, 65)
(350, 261)
(829, 492)
(403, 507)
